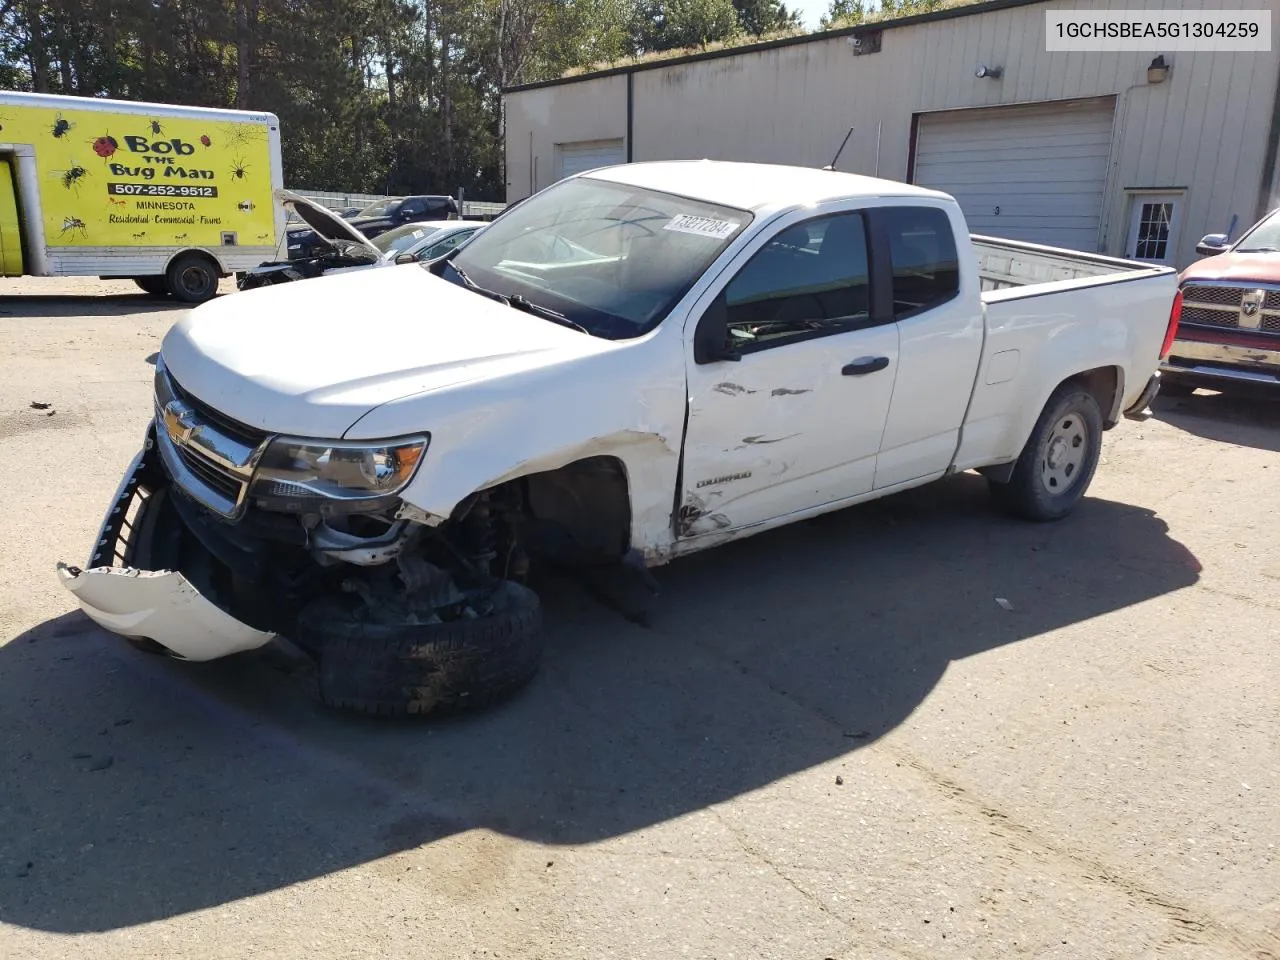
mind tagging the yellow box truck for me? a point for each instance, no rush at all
(171, 197)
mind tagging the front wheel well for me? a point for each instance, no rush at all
(578, 514)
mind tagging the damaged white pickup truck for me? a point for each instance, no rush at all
(632, 365)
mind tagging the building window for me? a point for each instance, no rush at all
(1153, 226)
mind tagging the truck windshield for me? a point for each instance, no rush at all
(381, 208)
(612, 258)
(1265, 237)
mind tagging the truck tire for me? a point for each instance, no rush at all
(156, 286)
(192, 278)
(406, 669)
(1057, 464)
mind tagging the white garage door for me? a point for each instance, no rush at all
(1036, 172)
(585, 155)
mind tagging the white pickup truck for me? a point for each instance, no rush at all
(632, 365)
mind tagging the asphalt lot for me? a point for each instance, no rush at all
(832, 743)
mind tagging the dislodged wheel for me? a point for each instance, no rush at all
(396, 669)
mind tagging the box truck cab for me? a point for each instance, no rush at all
(171, 197)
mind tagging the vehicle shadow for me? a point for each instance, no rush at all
(89, 305)
(1246, 416)
(134, 788)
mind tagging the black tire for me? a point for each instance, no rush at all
(1038, 490)
(156, 286)
(403, 669)
(192, 278)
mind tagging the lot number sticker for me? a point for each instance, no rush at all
(702, 226)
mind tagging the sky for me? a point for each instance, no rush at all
(810, 10)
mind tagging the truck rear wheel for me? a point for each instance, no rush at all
(192, 278)
(156, 286)
(1058, 461)
(402, 669)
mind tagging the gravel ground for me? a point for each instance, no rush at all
(834, 742)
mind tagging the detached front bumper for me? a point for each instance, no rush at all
(159, 605)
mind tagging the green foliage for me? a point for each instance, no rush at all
(674, 24)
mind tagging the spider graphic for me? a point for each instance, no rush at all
(239, 168)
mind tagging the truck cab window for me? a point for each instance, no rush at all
(926, 269)
(811, 280)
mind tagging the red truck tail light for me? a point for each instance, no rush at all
(1172, 332)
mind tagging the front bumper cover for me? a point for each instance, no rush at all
(158, 605)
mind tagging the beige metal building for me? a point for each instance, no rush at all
(1095, 151)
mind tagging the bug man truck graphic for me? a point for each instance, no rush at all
(172, 197)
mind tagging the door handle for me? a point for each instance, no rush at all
(864, 365)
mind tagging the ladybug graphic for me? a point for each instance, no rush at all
(206, 141)
(105, 146)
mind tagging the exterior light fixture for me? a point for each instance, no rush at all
(1158, 71)
(988, 73)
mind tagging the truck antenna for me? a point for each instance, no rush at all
(832, 164)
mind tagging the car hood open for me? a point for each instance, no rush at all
(310, 359)
(326, 224)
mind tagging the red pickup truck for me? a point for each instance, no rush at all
(1228, 310)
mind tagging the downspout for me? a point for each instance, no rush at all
(1269, 161)
(631, 100)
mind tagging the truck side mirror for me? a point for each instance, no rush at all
(1211, 244)
(711, 337)
(406, 258)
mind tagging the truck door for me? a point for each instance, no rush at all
(10, 231)
(796, 421)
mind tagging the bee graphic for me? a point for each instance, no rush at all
(62, 126)
(239, 168)
(74, 225)
(204, 139)
(156, 129)
(246, 206)
(71, 178)
(105, 146)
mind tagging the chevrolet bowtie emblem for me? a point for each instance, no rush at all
(179, 421)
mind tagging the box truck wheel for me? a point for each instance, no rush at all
(192, 278)
(156, 286)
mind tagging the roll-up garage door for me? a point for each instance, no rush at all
(585, 155)
(1029, 172)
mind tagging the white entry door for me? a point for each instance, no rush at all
(1153, 227)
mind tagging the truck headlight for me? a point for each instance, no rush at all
(300, 476)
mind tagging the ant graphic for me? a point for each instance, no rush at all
(156, 129)
(62, 126)
(263, 236)
(139, 236)
(181, 236)
(117, 203)
(239, 168)
(74, 225)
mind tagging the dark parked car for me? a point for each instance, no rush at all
(374, 219)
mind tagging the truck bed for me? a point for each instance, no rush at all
(1009, 264)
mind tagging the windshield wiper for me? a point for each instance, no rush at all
(546, 313)
(1258, 250)
(518, 302)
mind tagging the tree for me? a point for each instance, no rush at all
(676, 24)
(843, 13)
(758, 17)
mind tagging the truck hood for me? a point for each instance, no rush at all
(310, 359)
(1263, 267)
(326, 224)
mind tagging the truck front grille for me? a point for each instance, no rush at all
(1232, 306)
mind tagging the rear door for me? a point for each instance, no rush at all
(796, 422)
(10, 230)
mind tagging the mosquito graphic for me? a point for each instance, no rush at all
(74, 226)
